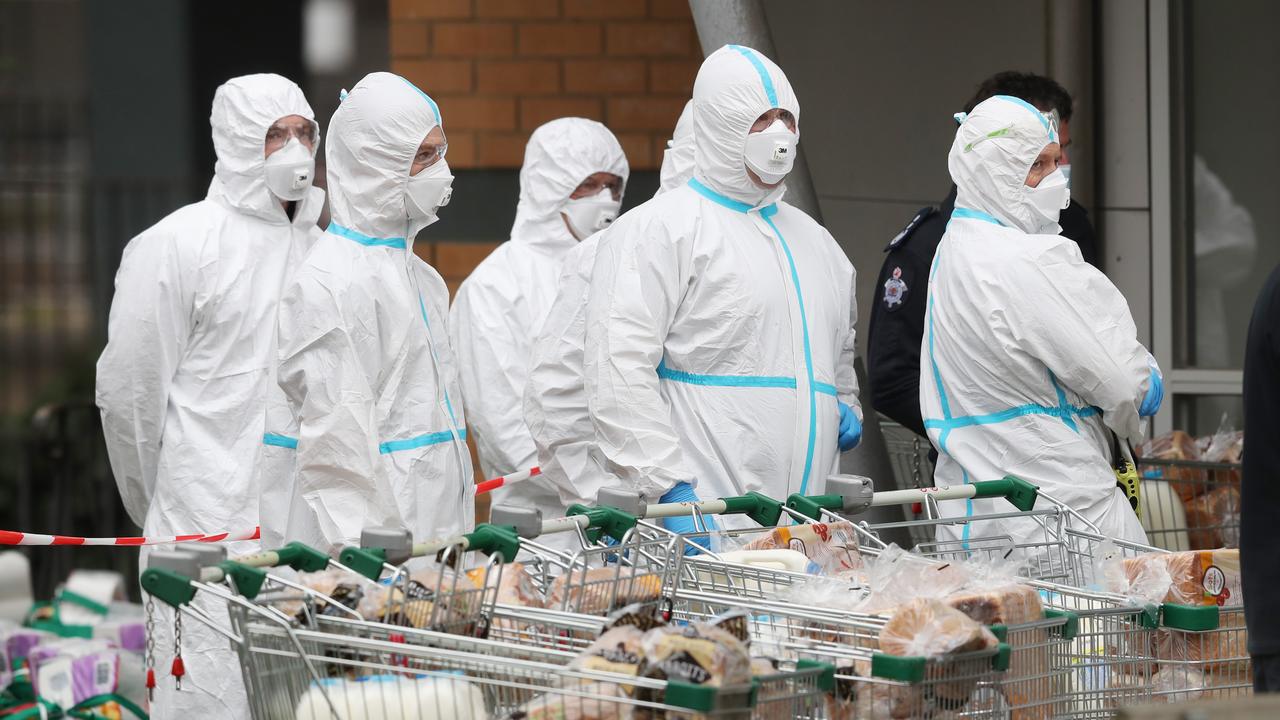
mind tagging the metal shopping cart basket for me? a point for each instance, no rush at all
(342, 667)
(1189, 504)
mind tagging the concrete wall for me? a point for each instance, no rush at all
(878, 83)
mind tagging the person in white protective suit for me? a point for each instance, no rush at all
(1031, 355)
(371, 420)
(571, 186)
(188, 358)
(555, 397)
(720, 325)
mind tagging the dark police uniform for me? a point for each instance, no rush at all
(900, 299)
(1260, 488)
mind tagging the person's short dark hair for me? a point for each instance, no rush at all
(1043, 92)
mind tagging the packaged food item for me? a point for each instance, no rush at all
(1221, 651)
(1013, 604)
(644, 616)
(1224, 446)
(773, 559)
(600, 590)
(68, 672)
(515, 587)
(931, 628)
(1177, 445)
(832, 547)
(699, 654)
(1213, 519)
(393, 696)
(589, 701)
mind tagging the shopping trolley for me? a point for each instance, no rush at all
(1190, 504)
(315, 665)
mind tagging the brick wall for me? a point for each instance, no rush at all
(500, 68)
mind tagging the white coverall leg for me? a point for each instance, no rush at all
(188, 362)
(1031, 357)
(720, 324)
(370, 417)
(500, 307)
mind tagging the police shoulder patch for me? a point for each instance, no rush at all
(906, 232)
(895, 290)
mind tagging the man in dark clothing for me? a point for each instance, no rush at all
(1260, 488)
(901, 291)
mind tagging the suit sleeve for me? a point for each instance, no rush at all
(1069, 316)
(635, 292)
(148, 332)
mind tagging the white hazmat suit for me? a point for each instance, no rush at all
(371, 421)
(555, 398)
(188, 362)
(500, 307)
(1032, 357)
(720, 325)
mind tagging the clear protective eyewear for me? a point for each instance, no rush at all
(279, 133)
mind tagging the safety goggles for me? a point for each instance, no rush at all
(280, 132)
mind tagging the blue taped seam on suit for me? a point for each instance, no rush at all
(761, 381)
(367, 241)
(422, 308)
(767, 214)
(434, 438)
(277, 440)
(971, 214)
(717, 198)
(435, 109)
(765, 80)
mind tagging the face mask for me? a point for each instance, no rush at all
(591, 214)
(771, 152)
(428, 191)
(1048, 199)
(290, 171)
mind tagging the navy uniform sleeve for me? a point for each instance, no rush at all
(899, 300)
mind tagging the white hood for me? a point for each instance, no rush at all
(244, 108)
(735, 85)
(677, 159)
(373, 138)
(559, 156)
(994, 149)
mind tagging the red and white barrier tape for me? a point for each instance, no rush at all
(494, 484)
(10, 537)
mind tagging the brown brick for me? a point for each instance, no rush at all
(473, 39)
(518, 77)
(673, 76)
(604, 76)
(456, 260)
(462, 147)
(637, 147)
(517, 9)
(430, 9)
(670, 10)
(653, 39)
(436, 76)
(408, 39)
(645, 113)
(560, 39)
(478, 113)
(604, 9)
(536, 111)
(501, 150)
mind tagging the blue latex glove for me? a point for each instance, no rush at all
(850, 428)
(684, 525)
(1155, 394)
